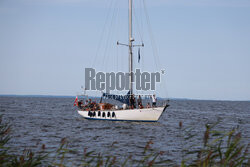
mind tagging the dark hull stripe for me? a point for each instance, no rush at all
(117, 120)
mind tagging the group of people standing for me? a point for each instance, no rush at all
(92, 105)
(132, 102)
(89, 104)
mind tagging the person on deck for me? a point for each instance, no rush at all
(148, 105)
(154, 101)
(80, 104)
(91, 105)
(132, 102)
(139, 102)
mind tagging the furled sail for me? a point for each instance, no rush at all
(120, 98)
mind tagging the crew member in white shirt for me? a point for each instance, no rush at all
(154, 101)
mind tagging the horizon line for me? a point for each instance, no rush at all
(72, 96)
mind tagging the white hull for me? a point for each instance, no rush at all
(144, 115)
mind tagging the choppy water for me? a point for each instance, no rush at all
(43, 120)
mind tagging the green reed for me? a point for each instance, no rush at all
(217, 149)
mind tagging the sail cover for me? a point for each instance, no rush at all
(120, 98)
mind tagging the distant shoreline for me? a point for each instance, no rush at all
(68, 96)
(47, 96)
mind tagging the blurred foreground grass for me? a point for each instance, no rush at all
(218, 149)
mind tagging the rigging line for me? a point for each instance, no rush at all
(107, 41)
(141, 16)
(121, 36)
(102, 33)
(116, 60)
(153, 44)
(151, 34)
(109, 35)
(123, 59)
(115, 55)
(143, 29)
(137, 23)
(142, 60)
(110, 48)
(117, 32)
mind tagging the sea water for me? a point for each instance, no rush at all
(46, 120)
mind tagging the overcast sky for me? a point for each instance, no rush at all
(204, 46)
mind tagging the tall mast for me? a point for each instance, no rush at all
(130, 49)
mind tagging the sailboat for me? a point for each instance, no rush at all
(105, 111)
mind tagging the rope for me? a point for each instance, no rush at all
(155, 53)
(109, 37)
(137, 24)
(102, 33)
